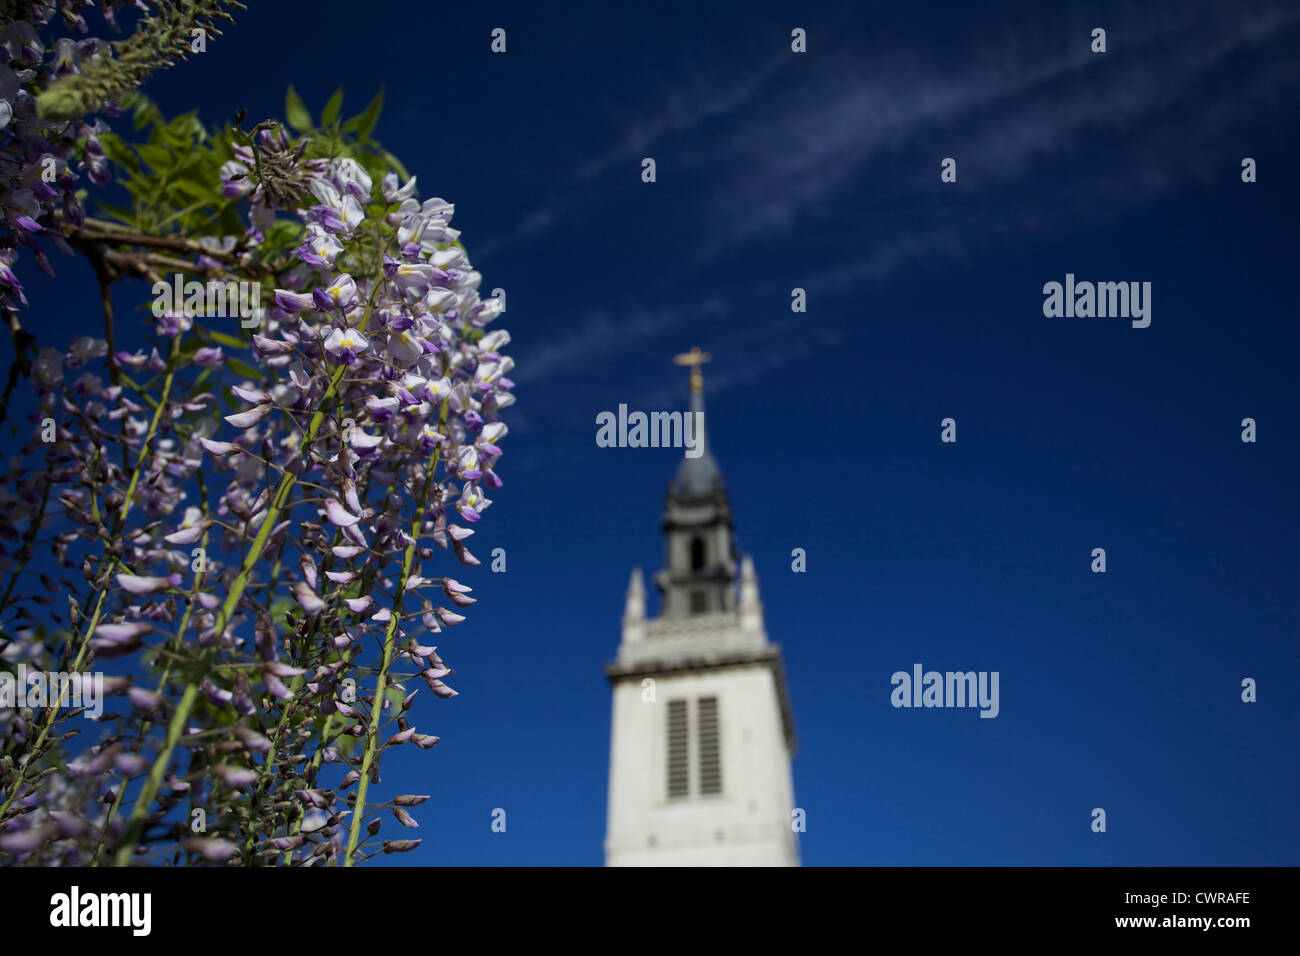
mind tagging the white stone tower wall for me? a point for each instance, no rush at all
(748, 824)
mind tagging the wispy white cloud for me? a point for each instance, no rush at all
(602, 332)
(683, 108)
(747, 362)
(998, 112)
(777, 153)
(686, 107)
(535, 224)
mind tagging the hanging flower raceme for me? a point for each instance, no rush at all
(253, 518)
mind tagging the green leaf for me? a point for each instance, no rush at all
(233, 341)
(196, 190)
(115, 212)
(158, 157)
(242, 368)
(182, 132)
(229, 221)
(141, 187)
(284, 232)
(364, 124)
(331, 111)
(395, 163)
(278, 609)
(295, 111)
(145, 113)
(189, 125)
(117, 152)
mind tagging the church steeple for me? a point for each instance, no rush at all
(702, 733)
(699, 576)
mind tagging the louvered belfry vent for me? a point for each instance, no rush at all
(678, 750)
(710, 748)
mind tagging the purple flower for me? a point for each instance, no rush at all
(467, 463)
(346, 344)
(350, 176)
(114, 640)
(320, 249)
(187, 533)
(413, 275)
(237, 777)
(135, 584)
(27, 223)
(84, 347)
(457, 592)
(381, 409)
(294, 302)
(392, 194)
(364, 442)
(448, 617)
(209, 357)
(24, 841)
(249, 418)
(142, 699)
(214, 694)
(218, 447)
(250, 394)
(471, 503)
(252, 740)
(404, 348)
(234, 180)
(342, 291)
(210, 848)
(125, 631)
(338, 515)
(271, 346)
(307, 598)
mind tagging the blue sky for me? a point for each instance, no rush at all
(821, 171)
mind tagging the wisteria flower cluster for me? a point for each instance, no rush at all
(47, 87)
(40, 159)
(257, 511)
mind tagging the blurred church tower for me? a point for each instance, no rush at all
(702, 735)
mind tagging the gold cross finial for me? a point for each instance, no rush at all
(694, 358)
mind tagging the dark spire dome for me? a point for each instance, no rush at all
(698, 476)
